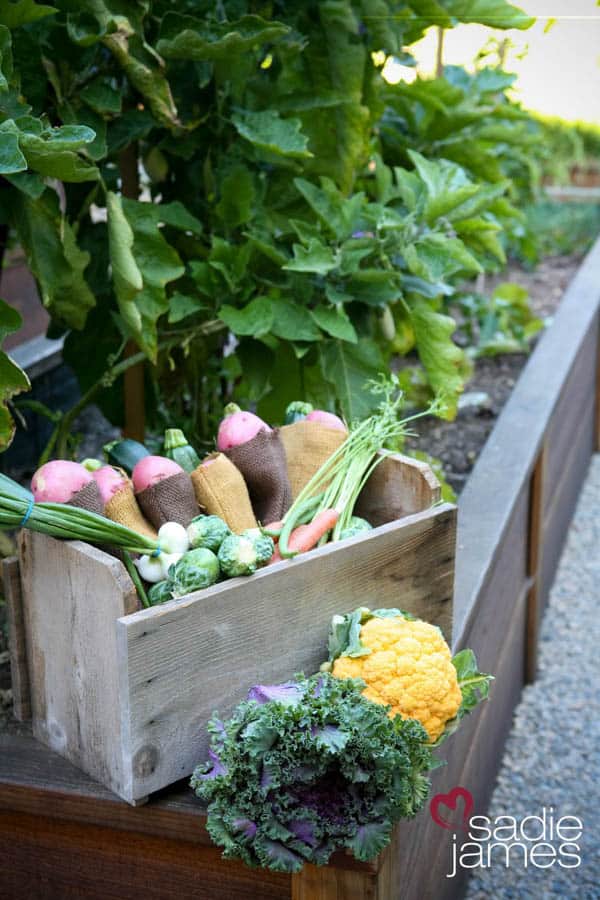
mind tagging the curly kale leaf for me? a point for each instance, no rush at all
(309, 767)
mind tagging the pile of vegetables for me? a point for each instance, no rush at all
(264, 495)
(318, 764)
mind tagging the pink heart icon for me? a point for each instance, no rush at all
(450, 801)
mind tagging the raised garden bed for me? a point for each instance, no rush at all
(513, 515)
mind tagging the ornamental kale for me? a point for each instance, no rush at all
(309, 767)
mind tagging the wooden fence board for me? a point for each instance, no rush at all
(505, 465)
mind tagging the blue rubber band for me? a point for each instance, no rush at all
(27, 514)
(156, 552)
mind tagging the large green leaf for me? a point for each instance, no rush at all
(53, 154)
(158, 264)
(348, 367)
(12, 379)
(447, 185)
(53, 256)
(446, 364)
(335, 322)
(145, 75)
(494, 13)
(11, 158)
(19, 12)
(185, 37)
(254, 320)
(335, 60)
(292, 321)
(126, 274)
(316, 258)
(268, 131)
(436, 257)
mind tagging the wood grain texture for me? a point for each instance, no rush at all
(181, 661)
(535, 553)
(43, 858)
(398, 487)
(575, 406)
(565, 493)
(504, 467)
(72, 596)
(328, 883)
(17, 644)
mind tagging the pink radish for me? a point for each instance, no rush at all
(238, 427)
(110, 481)
(326, 418)
(149, 470)
(56, 481)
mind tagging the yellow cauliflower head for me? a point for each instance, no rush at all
(409, 668)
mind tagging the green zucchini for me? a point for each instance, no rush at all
(176, 447)
(125, 453)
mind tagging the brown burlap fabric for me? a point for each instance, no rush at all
(89, 498)
(170, 500)
(221, 491)
(307, 446)
(123, 508)
(263, 464)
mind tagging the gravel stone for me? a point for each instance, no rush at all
(552, 757)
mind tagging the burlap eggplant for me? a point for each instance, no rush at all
(169, 500)
(89, 498)
(221, 491)
(307, 446)
(123, 508)
(263, 464)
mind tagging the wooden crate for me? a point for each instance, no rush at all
(126, 694)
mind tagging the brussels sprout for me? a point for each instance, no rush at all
(296, 411)
(237, 556)
(195, 570)
(263, 544)
(355, 526)
(160, 593)
(207, 531)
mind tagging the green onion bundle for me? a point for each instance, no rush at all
(341, 478)
(59, 520)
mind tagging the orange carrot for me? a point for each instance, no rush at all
(304, 537)
(277, 557)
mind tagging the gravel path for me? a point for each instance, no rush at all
(552, 758)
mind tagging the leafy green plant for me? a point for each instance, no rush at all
(500, 323)
(197, 185)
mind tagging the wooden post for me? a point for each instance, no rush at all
(439, 56)
(133, 388)
(19, 672)
(534, 562)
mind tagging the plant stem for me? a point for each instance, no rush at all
(134, 575)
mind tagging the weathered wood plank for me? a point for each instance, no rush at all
(17, 644)
(534, 562)
(181, 661)
(417, 864)
(574, 407)
(41, 857)
(387, 496)
(506, 462)
(564, 499)
(72, 596)
(327, 883)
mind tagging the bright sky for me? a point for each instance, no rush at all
(558, 71)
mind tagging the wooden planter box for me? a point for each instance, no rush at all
(126, 694)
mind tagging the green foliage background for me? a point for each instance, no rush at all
(297, 219)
